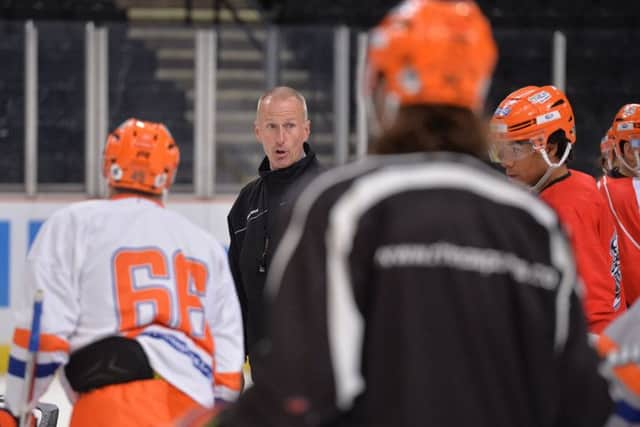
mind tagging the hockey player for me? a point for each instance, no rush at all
(139, 305)
(619, 345)
(621, 189)
(424, 289)
(533, 133)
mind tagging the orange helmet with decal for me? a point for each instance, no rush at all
(141, 156)
(533, 113)
(432, 52)
(626, 124)
(626, 127)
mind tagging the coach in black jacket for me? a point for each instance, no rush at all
(282, 127)
(419, 288)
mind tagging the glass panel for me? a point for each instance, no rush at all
(12, 102)
(151, 76)
(61, 103)
(241, 81)
(524, 59)
(306, 64)
(600, 80)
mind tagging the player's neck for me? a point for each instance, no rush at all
(558, 172)
(116, 193)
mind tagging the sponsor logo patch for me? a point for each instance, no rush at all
(540, 97)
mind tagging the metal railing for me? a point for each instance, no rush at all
(344, 132)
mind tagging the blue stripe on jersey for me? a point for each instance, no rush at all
(34, 227)
(627, 412)
(5, 228)
(180, 346)
(18, 367)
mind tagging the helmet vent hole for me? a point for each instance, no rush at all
(558, 102)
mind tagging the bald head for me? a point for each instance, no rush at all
(282, 126)
(281, 93)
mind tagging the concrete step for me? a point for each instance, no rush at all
(198, 4)
(174, 33)
(231, 74)
(180, 14)
(249, 138)
(226, 55)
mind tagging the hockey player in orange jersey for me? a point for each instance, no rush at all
(621, 189)
(139, 304)
(533, 133)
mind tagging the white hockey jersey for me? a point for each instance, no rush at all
(128, 266)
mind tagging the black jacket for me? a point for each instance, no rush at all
(423, 290)
(253, 227)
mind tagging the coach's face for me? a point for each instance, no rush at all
(282, 128)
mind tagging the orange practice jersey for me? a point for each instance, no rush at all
(585, 215)
(623, 197)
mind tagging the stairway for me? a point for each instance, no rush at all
(241, 79)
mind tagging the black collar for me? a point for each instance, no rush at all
(290, 171)
(557, 180)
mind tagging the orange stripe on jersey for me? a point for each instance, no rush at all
(231, 380)
(48, 342)
(628, 374)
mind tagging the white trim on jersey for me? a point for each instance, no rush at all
(345, 321)
(636, 187)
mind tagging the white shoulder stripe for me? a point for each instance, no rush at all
(344, 319)
(612, 208)
(345, 323)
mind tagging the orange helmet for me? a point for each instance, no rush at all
(626, 127)
(532, 114)
(433, 52)
(626, 124)
(141, 156)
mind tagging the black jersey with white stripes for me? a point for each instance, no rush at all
(424, 290)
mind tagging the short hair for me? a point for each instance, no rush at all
(433, 127)
(561, 141)
(283, 92)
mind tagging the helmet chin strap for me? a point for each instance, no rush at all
(551, 167)
(636, 170)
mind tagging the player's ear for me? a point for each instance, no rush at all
(256, 131)
(552, 149)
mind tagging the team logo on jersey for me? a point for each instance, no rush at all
(539, 97)
(616, 271)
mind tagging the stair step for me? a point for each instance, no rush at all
(197, 15)
(173, 33)
(198, 4)
(250, 138)
(243, 94)
(226, 55)
(232, 74)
